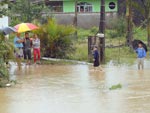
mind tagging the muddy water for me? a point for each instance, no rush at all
(77, 89)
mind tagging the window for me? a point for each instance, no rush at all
(84, 7)
(55, 6)
(112, 5)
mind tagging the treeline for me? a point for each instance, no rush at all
(137, 13)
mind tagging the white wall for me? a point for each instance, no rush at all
(3, 21)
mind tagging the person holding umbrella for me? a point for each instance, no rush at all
(18, 49)
(26, 27)
(141, 54)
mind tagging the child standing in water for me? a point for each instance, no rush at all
(96, 58)
(36, 48)
(141, 54)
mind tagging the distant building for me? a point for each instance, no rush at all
(87, 6)
(88, 11)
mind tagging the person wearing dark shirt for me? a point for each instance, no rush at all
(96, 59)
(27, 44)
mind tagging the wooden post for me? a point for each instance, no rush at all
(129, 35)
(102, 31)
(89, 47)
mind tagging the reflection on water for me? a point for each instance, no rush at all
(76, 89)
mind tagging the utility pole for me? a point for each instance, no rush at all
(76, 19)
(129, 35)
(102, 32)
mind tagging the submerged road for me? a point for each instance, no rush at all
(77, 89)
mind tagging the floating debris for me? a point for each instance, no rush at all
(118, 86)
(8, 85)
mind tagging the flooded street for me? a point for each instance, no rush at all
(76, 89)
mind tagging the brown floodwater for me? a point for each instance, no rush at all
(77, 89)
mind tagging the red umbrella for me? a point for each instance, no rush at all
(23, 27)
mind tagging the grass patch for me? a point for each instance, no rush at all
(81, 52)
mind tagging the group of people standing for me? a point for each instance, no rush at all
(23, 47)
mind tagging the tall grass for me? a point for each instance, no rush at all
(81, 52)
(124, 54)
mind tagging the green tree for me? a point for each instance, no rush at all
(146, 14)
(3, 11)
(6, 53)
(144, 8)
(26, 11)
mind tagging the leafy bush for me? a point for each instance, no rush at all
(81, 52)
(119, 27)
(56, 40)
(26, 11)
(6, 52)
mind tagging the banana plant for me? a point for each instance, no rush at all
(55, 39)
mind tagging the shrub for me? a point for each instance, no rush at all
(56, 40)
(6, 52)
(119, 27)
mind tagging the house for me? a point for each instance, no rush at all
(90, 6)
(88, 11)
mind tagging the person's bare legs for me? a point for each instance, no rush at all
(142, 63)
(139, 63)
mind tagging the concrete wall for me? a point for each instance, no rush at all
(85, 20)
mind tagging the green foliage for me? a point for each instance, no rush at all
(81, 52)
(3, 11)
(83, 34)
(6, 52)
(56, 40)
(144, 9)
(140, 34)
(118, 27)
(25, 11)
(122, 54)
